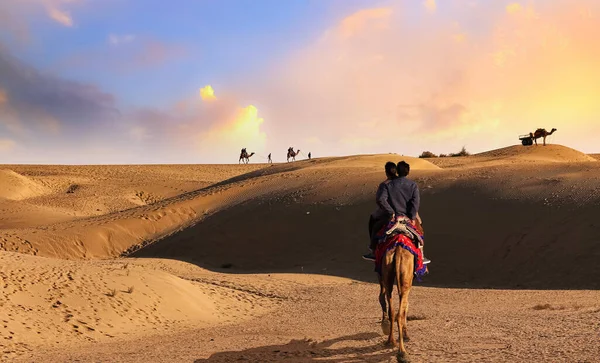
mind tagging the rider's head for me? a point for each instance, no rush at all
(390, 170)
(403, 168)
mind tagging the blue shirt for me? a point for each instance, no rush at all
(399, 196)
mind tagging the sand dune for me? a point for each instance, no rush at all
(49, 302)
(548, 153)
(266, 239)
(15, 186)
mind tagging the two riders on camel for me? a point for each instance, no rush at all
(396, 197)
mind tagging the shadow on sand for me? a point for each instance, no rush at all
(550, 249)
(333, 350)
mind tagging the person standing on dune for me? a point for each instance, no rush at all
(397, 196)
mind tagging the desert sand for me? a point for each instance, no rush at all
(261, 263)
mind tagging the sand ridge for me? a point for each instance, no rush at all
(242, 254)
(539, 153)
(14, 186)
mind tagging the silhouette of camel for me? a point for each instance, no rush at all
(291, 154)
(541, 133)
(245, 157)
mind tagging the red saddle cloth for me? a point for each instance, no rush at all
(389, 242)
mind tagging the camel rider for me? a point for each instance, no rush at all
(378, 218)
(398, 196)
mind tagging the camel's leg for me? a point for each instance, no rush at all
(405, 324)
(385, 320)
(404, 272)
(388, 284)
(382, 298)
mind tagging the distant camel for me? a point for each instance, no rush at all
(245, 157)
(541, 133)
(292, 154)
(398, 266)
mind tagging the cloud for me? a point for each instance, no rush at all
(514, 8)
(430, 5)
(14, 14)
(60, 16)
(218, 128)
(35, 101)
(398, 76)
(232, 133)
(364, 20)
(207, 93)
(114, 39)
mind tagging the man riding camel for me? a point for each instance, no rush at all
(396, 196)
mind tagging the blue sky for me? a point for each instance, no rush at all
(119, 80)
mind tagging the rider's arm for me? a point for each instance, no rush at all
(414, 203)
(382, 200)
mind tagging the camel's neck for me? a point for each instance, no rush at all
(551, 132)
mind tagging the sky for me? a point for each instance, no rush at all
(194, 81)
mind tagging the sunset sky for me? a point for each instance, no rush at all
(194, 81)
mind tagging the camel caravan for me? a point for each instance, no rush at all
(528, 140)
(291, 156)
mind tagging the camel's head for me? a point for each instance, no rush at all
(553, 130)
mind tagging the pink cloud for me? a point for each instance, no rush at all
(438, 82)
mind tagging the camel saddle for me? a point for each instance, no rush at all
(404, 225)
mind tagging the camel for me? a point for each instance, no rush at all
(292, 154)
(398, 266)
(541, 133)
(245, 157)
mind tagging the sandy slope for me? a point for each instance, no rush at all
(14, 186)
(510, 218)
(48, 302)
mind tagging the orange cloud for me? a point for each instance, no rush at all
(430, 5)
(533, 67)
(218, 128)
(364, 20)
(514, 8)
(229, 135)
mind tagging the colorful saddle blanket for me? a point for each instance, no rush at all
(403, 233)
